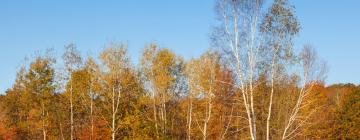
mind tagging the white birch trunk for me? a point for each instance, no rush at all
(91, 113)
(113, 115)
(71, 112)
(207, 119)
(155, 116)
(271, 93)
(189, 118)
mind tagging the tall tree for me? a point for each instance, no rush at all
(116, 64)
(279, 27)
(40, 86)
(160, 67)
(72, 60)
(92, 70)
(16, 110)
(238, 36)
(254, 45)
(202, 76)
(313, 71)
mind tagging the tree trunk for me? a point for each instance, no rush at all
(207, 120)
(155, 116)
(189, 118)
(113, 115)
(91, 115)
(43, 121)
(71, 113)
(271, 94)
(164, 111)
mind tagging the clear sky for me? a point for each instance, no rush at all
(182, 25)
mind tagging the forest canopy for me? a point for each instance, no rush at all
(250, 84)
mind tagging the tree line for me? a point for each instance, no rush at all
(250, 85)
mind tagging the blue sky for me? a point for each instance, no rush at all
(182, 25)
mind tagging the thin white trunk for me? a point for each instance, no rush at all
(271, 93)
(189, 118)
(248, 106)
(296, 109)
(113, 115)
(91, 114)
(228, 124)
(270, 108)
(154, 109)
(164, 112)
(71, 112)
(115, 107)
(252, 64)
(207, 120)
(155, 116)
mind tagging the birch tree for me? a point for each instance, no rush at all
(115, 64)
(238, 36)
(251, 40)
(72, 61)
(85, 85)
(146, 67)
(313, 70)
(192, 93)
(159, 67)
(40, 86)
(202, 76)
(93, 73)
(279, 26)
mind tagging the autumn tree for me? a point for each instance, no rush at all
(15, 106)
(121, 91)
(116, 63)
(161, 70)
(202, 77)
(347, 117)
(278, 26)
(253, 85)
(39, 88)
(72, 61)
(92, 88)
(256, 45)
